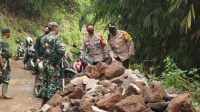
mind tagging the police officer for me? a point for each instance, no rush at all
(5, 66)
(54, 51)
(121, 45)
(95, 45)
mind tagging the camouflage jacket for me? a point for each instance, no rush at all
(53, 47)
(5, 52)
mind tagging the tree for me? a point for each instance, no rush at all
(159, 27)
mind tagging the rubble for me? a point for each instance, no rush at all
(114, 70)
(109, 101)
(181, 103)
(133, 103)
(112, 88)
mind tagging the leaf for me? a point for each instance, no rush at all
(193, 12)
(189, 19)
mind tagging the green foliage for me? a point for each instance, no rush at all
(182, 80)
(172, 75)
(159, 28)
(35, 8)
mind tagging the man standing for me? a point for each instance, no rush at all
(121, 45)
(95, 45)
(5, 67)
(38, 46)
(54, 51)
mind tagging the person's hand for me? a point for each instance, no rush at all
(113, 59)
(38, 61)
(4, 69)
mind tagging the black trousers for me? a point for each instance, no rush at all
(44, 101)
(124, 63)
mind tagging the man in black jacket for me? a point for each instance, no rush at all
(38, 46)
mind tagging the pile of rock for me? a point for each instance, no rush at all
(112, 88)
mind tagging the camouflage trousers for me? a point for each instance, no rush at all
(5, 77)
(52, 80)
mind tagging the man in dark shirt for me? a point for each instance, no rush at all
(38, 46)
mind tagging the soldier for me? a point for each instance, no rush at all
(5, 66)
(54, 50)
(39, 52)
(38, 46)
(121, 45)
(95, 45)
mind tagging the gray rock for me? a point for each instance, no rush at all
(168, 96)
(78, 80)
(90, 83)
(133, 77)
(138, 77)
(132, 89)
(127, 82)
(158, 107)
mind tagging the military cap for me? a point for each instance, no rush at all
(5, 30)
(53, 25)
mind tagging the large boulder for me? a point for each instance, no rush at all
(132, 89)
(55, 100)
(67, 90)
(108, 102)
(138, 77)
(158, 107)
(95, 72)
(78, 80)
(181, 103)
(114, 70)
(86, 103)
(90, 83)
(119, 80)
(101, 67)
(77, 93)
(89, 68)
(133, 103)
(154, 93)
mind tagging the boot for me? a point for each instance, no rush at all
(4, 91)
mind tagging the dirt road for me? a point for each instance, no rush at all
(21, 88)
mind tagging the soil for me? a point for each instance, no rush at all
(21, 88)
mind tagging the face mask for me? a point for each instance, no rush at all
(46, 32)
(90, 31)
(112, 30)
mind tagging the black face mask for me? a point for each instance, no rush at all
(46, 32)
(112, 30)
(90, 31)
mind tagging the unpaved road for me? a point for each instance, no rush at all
(21, 88)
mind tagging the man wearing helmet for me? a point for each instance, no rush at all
(54, 51)
(5, 52)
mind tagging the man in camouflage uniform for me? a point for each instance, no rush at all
(121, 45)
(95, 45)
(5, 66)
(54, 51)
